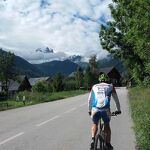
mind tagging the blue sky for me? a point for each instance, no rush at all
(69, 27)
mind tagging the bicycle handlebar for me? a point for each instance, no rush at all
(112, 114)
(115, 113)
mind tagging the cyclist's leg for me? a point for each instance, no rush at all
(95, 118)
(94, 130)
(107, 132)
(107, 129)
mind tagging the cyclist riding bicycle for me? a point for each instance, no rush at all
(99, 107)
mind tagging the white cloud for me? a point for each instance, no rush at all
(39, 57)
(69, 27)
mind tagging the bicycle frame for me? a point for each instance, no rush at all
(99, 139)
(100, 125)
(99, 143)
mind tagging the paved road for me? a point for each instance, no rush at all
(60, 125)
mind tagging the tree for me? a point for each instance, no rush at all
(88, 78)
(58, 83)
(93, 68)
(126, 36)
(6, 63)
(70, 84)
(79, 77)
(93, 63)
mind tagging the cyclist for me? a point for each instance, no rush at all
(99, 107)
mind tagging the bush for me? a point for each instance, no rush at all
(3, 96)
(34, 97)
(70, 85)
(41, 86)
(146, 82)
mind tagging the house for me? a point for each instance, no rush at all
(21, 84)
(24, 83)
(113, 74)
(13, 86)
(33, 81)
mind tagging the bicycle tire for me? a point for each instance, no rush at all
(99, 142)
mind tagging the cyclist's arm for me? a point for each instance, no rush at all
(116, 99)
(90, 101)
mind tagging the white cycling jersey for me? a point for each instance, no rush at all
(100, 96)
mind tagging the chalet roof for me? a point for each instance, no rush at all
(33, 81)
(17, 85)
(72, 74)
(20, 78)
(13, 85)
(106, 69)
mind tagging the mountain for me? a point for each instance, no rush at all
(75, 58)
(83, 65)
(78, 60)
(65, 67)
(110, 61)
(45, 50)
(23, 67)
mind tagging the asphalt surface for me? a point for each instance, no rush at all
(61, 125)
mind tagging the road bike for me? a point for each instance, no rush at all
(99, 143)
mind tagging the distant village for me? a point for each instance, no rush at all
(23, 83)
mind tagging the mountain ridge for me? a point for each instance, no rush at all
(23, 67)
(65, 67)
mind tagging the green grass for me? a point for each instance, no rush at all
(140, 108)
(36, 98)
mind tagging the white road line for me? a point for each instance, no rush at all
(72, 109)
(82, 104)
(11, 138)
(68, 111)
(44, 122)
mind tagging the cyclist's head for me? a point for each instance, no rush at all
(103, 78)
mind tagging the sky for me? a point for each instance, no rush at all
(69, 27)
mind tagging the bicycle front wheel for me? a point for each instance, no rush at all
(99, 143)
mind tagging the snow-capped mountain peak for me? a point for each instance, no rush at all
(75, 58)
(45, 50)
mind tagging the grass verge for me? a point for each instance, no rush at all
(140, 109)
(32, 98)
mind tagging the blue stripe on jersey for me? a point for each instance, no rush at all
(94, 102)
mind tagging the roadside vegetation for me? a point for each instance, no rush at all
(140, 109)
(27, 98)
(127, 37)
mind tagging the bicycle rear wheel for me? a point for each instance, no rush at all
(99, 143)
